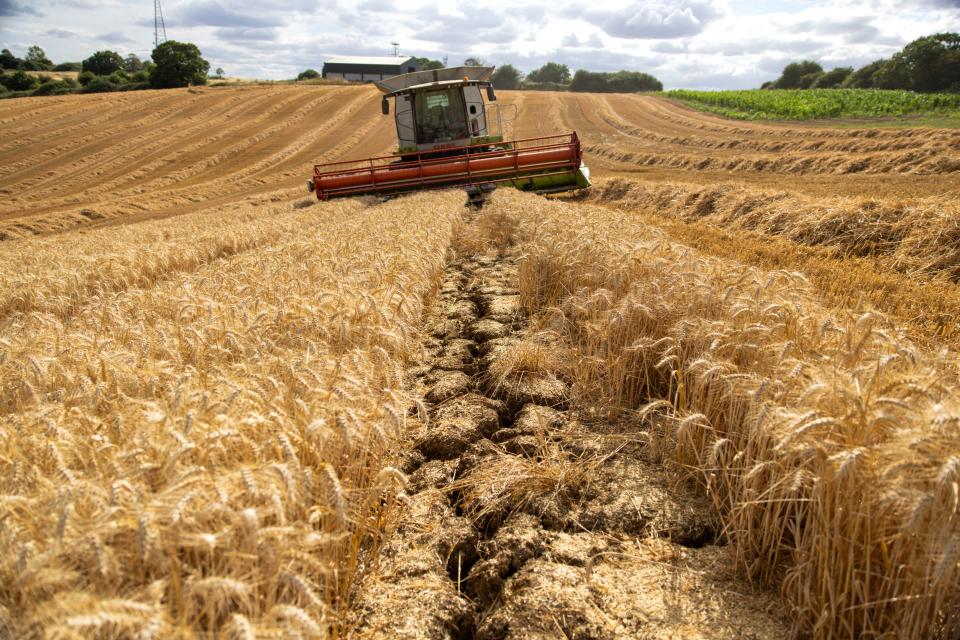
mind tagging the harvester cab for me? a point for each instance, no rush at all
(450, 137)
(435, 115)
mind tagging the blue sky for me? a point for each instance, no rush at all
(708, 44)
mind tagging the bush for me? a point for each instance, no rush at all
(4, 92)
(178, 64)
(134, 86)
(99, 84)
(119, 77)
(69, 66)
(543, 86)
(140, 76)
(309, 74)
(85, 77)
(52, 89)
(20, 81)
(70, 82)
(619, 82)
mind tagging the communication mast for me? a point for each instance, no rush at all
(159, 28)
(396, 47)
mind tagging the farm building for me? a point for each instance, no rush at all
(368, 68)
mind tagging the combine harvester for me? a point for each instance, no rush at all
(449, 137)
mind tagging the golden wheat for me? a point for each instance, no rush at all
(827, 442)
(195, 442)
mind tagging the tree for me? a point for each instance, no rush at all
(893, 74)
(219, 73)
(37, 59)
(832, 79)
(9, 61)
(862, 78)
(309, 74)
(807, 80)
(932, 63)
(68, 66)
(796, 74)
(132, 63)
(506, 77)
(474, 62)
(178, 64)
(426, 64)
(633, 82)
(587, 81)
(103, 63)
(550, 72)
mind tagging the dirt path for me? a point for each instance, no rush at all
(524, 519)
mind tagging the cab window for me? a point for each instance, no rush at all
(441, 115)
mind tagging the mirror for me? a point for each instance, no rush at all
(385, 105)
(491, 96)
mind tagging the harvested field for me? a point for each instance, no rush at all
(714, 396)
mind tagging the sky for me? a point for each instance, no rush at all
(696, 44)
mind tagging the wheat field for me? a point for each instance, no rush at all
(209, 382)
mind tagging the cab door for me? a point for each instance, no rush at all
(406, 135)
(476, 114)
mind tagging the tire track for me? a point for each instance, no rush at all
(129, 154)
(79, 121)
(368, 130)
(104, 150)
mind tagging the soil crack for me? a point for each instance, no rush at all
(515, 504)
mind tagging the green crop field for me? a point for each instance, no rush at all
(812, 104)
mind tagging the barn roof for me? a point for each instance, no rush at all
(378, 60)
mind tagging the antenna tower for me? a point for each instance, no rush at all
(159, 28)
(396, 47)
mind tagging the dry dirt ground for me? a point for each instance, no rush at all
(523, 518)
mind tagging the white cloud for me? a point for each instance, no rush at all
(657, 20)
(693, 43)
